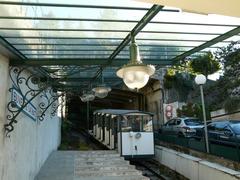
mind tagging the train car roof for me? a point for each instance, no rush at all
(121, 111)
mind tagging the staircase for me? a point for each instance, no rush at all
(88, 165)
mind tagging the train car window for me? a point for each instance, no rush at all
(147, 124)
(118, 123)
(126, 122)
(108, 122)
(97, 119)
(106, 119)
(136, 123)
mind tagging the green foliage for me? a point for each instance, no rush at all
(205, 64)
(182, 75)
(83, 146)
(193, 110)
(66, 126)
(231, 104)
(169, 79)
(223, 53)
(189, 110)
(229, 56)
(65, 131)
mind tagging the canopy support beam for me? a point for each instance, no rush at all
(140, 25)
(207, 44)
(81, 61)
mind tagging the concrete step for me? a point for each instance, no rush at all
(101, 163)
(88, 165)
(73, 153)
(104, 168)
(113, 178)
(57, 177)
(132, 172)
(98, 158)
(98, 155)
(97, 152)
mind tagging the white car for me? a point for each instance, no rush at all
(185, 126)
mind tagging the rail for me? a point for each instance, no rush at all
(231, 152)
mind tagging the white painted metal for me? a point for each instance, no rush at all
(112, 142)
(94, 130)
(98, 132)
(101, 134)
(132, 144)
(106, 140)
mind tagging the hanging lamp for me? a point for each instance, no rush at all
(101, 90)
(87, 96)
(135, 74)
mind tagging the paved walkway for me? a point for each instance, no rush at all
(88, 165)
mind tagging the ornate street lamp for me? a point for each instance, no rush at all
(135, 74)
(201, 80)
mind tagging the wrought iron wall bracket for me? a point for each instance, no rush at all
(50, 102)
(9, 127)
(61, 104)
(28, 87)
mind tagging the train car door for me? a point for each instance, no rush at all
(137, 136)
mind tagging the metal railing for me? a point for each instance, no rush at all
(231, 152)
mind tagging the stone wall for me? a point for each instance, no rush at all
(29, 145)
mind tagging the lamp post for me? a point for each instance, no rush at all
(200, 80)
(86, 97)
(87, 122)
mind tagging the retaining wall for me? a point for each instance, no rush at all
(192, 167)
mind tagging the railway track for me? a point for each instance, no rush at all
(150, 169)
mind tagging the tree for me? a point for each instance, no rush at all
(229, 56)
(193, 110)
(205, 64)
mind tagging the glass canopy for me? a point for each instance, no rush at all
(73, 42)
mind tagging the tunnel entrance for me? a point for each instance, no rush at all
(77, 125)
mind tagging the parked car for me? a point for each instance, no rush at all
(181, 126)
(225, 132)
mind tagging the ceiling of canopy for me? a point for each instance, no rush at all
(72, 43)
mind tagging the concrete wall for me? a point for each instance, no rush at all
(24, 152)
(192, 167)
(3, 94)
(221, 114)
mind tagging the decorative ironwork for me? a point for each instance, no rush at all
(28, 84)
(56, 105)
(49, 99)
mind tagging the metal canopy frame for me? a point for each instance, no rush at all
(59, 54)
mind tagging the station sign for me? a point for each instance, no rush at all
(29, 110)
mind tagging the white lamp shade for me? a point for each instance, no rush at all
(200, 79)
(136, 77)
(101, 91)
(89, 96)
